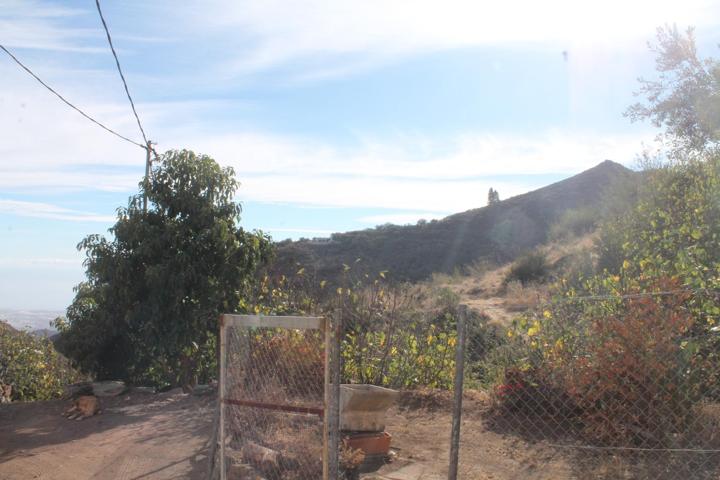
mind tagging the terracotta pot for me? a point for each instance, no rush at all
(377, 443)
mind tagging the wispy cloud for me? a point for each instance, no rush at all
(445, 175)
(405, 172)
(32, 24)
(49, 211)
(275, 32)
(456, 157)
(40, 262)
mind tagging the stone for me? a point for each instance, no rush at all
(110, 388)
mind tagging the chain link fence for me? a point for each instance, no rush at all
(273, 394)
(606, 387)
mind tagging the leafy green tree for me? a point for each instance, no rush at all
(685, 98)
(148, 310)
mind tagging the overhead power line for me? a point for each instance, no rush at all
(122, 77)
(64, 100)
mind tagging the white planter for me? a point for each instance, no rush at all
(363, 407)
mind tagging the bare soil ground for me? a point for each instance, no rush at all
(421, 426)
(138, 436)
(165, 436)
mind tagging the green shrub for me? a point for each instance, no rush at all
(531, 267)
(412, 356)
(32, 366)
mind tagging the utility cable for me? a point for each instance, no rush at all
(67, 102)
(122, 77)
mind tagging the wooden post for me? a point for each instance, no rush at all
(221, 397)
(333, 414)
(146, 182)
(458, 394)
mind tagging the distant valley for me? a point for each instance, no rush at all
(31, 320)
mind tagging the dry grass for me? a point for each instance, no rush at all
(482, 286)
(521, 298)
(297, 439)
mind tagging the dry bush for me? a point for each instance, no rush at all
(297, 439)
(529, 268)
(521, 298)
(291, 358)
(618, 373)
(632, 380)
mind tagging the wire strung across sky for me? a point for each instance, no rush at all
(64, 100)
(122, 77)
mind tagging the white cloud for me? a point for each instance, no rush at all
(45, 146)
(62, 151)
(376, 192)
(40, 262)
(49, 211)
(446, 175)
(454, 158)
(350, 32)
(32, 24)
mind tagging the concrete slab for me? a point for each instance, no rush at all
(415, 471)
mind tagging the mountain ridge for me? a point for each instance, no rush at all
(498, 232)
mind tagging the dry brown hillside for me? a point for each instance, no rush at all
(482, 287)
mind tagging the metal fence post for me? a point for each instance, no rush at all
(221, 396)
(334, 404)
(326, 404)
(457, 401)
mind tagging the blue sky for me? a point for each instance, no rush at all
(336, 115)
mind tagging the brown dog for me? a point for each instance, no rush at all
(83, 407)
(5, 393)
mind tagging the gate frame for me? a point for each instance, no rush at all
(330, 409)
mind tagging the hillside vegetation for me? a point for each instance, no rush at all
(497, 232)
(30, 368)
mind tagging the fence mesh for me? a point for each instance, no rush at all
(602, 388)
(393, 337)
(273, 402)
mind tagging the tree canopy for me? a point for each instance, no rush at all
(149, 307)
(685, 98)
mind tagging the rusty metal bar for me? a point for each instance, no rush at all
(458, 393)
(275, 406)
(272, 321)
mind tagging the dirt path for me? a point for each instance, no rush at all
(139, 436)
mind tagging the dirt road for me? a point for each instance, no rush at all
(139, 436)
(165, 436)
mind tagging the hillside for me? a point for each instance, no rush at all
(497, 232)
